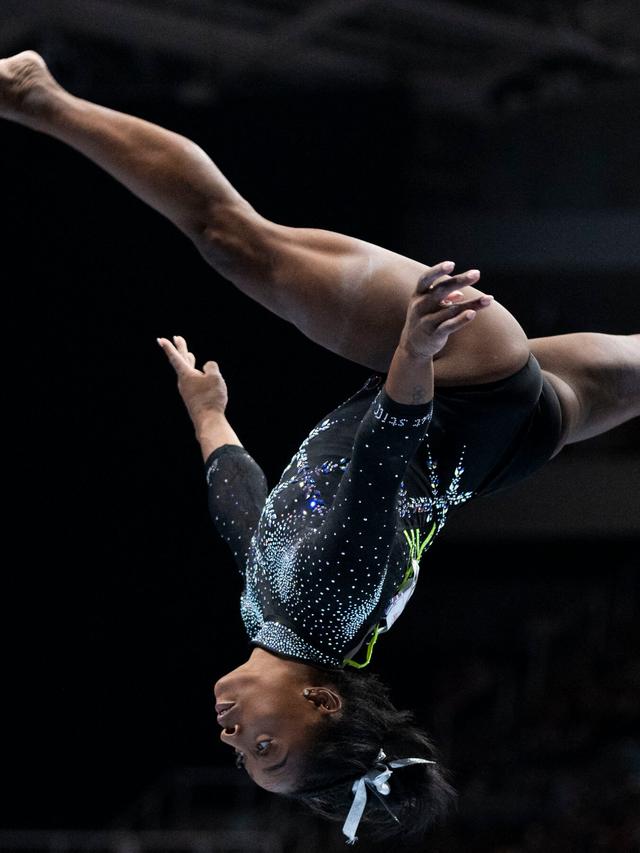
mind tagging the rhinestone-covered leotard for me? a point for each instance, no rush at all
(330, 556)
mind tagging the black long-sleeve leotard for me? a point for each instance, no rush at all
(331, 555)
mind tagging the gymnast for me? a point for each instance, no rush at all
(458, 403)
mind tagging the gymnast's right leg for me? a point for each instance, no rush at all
(596, 378)
(345, 294)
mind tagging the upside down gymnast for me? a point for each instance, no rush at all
(458, 404)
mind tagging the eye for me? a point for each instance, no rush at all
(262, 747)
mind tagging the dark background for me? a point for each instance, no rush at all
(520, 651)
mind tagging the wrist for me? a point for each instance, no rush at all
(213, 430)
(410, 377)
(207, 419)
(41, 105)
(409, 353)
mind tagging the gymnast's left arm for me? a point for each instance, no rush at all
(236, 485)
(357, 533)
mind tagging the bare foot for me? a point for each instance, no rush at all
(25, 85)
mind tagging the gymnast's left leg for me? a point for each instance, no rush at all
(345, 294)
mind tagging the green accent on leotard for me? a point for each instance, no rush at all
(416, 549)
(370, 645)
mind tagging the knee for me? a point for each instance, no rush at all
(514, 353)
(499, 341)
(495, 346)
(491, 348)
(233, 240)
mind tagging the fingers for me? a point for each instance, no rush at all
(458, 308)
(179, 363)
(181, 346)
(450, 306)
(443, 284)
(457, 323)
(434, 273)
(454, 296)
(437, 279)
(182, 360)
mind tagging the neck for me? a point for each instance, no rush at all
(270, 662)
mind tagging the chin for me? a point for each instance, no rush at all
(279, 787)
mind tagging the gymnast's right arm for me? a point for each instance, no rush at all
(236, 485)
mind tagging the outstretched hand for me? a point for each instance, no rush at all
(203, 391)
(438, 309)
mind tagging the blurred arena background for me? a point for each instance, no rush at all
(503, 134)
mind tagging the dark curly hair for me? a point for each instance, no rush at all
(347, 747)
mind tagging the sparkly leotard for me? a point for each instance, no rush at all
(331, 555)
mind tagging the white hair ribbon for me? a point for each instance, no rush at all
(378, 780)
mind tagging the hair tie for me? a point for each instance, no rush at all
(378, 780)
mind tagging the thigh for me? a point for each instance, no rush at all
(351, 297)
(596, 377)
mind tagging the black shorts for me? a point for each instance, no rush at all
(481, 437)
(504, 431)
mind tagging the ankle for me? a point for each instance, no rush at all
(28, 92)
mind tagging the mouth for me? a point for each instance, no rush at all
(223, 708)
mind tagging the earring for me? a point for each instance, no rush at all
(306, 692)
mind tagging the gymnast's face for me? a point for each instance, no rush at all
(269, 710)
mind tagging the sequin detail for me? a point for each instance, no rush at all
(326, 553)
(434, 507)
(273, 635)
(211, 471)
